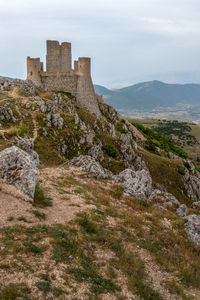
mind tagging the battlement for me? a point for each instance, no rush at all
(60, 76)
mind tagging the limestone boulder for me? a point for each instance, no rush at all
(193, 229)
(88, 164)
(27, 145)
(18, 168)
(136, 183)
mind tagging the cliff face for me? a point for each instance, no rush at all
(109, 203)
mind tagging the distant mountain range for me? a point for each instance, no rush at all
(8, 78)
(151, 95)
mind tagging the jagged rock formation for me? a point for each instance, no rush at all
(18, 168)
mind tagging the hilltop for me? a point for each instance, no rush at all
(108, 214)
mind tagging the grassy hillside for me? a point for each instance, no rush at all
(185, 135)
(84, 238)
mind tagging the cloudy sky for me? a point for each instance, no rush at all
(128, 40)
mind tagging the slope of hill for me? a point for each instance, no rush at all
(111, 218)
(156, 97)
(184, 134)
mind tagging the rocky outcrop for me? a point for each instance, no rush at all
(23, 86)
(182, 211)
(88, 164)
(191, 181)
(136, 183)
(17, 168)
(193, 229)
(163, 199)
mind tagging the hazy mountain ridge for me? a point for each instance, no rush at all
(152, 96)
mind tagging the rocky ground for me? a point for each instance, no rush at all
(87, 212)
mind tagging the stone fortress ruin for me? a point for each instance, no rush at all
(60, 76)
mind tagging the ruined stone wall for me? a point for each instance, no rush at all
(66, 83)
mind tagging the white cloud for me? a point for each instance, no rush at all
(126, 39)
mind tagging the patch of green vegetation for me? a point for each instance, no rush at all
(120, 129)
(110, 150)
(181, 131)
(181, 170)
(22, 218)
(113, 165)
(38, 214)
(24, 130)
(30, 247)
(158, 139)
(40, 199)
(43, 286)
(146, 292)
(12, 291)
(172, 179)
(99, 285)
(48, 153)
(174, 288)
(86, 224)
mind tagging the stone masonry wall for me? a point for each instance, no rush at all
(65, 83)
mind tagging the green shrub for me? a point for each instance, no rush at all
(43, 286)
(88, 226)
(110, 150)
(39, 215)
(24, 130)
(32, 248)
(40, 199)
(181, 170)
(121, 129)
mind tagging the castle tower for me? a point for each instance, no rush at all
(85, 95)
(59, 58)
(65, 58)
(34, 70)
(84, 66)
(53, 57)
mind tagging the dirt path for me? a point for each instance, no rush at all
(65, 202)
